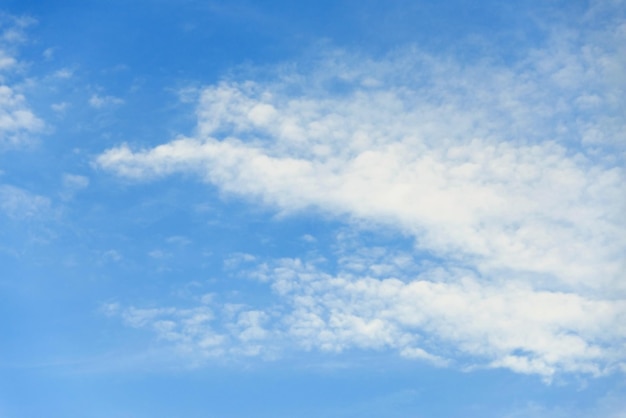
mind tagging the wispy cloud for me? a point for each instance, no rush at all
(511, 174)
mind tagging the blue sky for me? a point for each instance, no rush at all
(316, 209)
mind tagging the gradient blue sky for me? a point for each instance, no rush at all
(312, 209)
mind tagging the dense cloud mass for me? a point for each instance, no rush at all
(511, 175)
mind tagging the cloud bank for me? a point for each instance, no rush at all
(511, 174)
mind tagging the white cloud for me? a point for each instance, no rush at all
(612, 405)
(446, 316)
(511, 175)
(75, 181)
(60, 107)
(505, 325)
(196, 333)
(308, 238)
(235, 261)
(72, 184)
(111, 255)
(6, 61)
(98, 102)
(179, 240)
(63, 73)
(466, 182)
(48, 53)
(17, 120)
(18, 203)
(159, 254)
(13, 27)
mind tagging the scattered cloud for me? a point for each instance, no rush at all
(443, 315)
(159, 254)
(452, 313)
(60, 107)
(178, 240)
(189, 329)
(48, 53)
(111, 255)
(6, 61)
(308, 238)
(237, 260)
(64, 73)
(611, 405)
(17, 120)
(18, 203)
(73, 183)
(188, 94)
(470, 180)
(98, 102)
(12, 28)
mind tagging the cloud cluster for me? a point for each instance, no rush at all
(509, 173)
